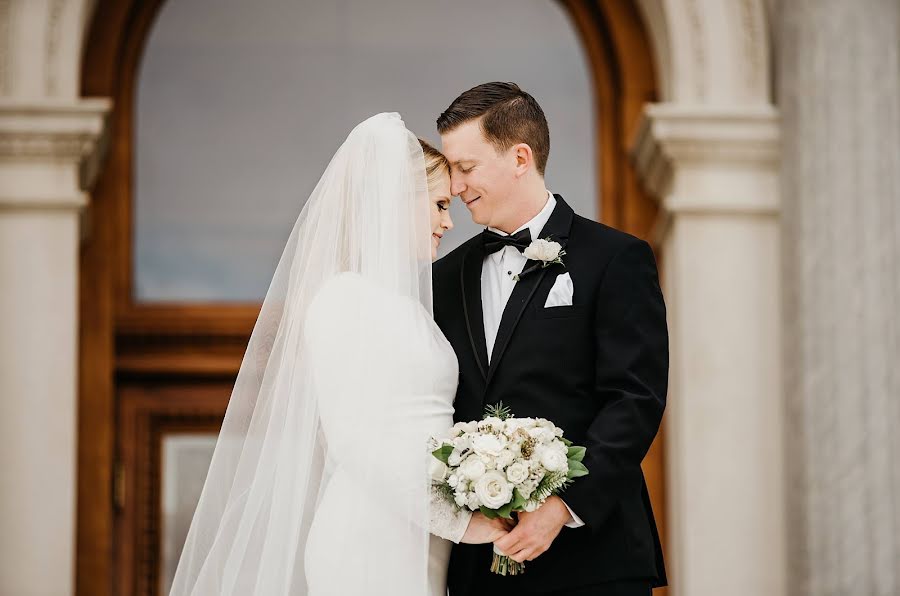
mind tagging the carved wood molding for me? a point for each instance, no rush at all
(147, 414)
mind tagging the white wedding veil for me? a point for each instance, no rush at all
(368, 218)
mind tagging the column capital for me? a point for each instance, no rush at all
(678, 148)
(49, 151)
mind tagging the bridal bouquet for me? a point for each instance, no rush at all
(502, 464)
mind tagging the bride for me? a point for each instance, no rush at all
(319, 483)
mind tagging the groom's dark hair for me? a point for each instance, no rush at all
(508, 116)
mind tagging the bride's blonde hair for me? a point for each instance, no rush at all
(436, 164)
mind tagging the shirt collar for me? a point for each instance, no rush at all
(535, 225)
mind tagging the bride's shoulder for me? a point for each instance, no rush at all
(348, 293)
(347, 285)
(340, 291)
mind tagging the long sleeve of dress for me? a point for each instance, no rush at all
(446, 520)
(382, 386)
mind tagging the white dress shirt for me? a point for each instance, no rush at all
(497, 284)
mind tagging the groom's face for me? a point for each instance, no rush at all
(480, 175)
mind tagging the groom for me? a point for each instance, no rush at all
(582, 343)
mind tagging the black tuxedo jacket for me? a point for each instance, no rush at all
(598, 369)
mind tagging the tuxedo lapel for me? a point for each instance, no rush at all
(557, 229)
(470, 282)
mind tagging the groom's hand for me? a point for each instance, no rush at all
(535, 531)
(482, 530)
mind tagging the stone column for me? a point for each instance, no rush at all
(43, 148)
(715, 172)
(839, 93)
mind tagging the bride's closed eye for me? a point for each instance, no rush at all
(443, 205)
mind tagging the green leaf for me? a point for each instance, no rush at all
(576, 469)
(488, 513)
(518, 500)
(443, 453)
(566, 441)
(576, 453)
(506, 511)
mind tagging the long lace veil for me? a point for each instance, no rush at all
(369, 216)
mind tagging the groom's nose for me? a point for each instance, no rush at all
(456, 186)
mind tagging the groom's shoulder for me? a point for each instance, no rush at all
(601, 234)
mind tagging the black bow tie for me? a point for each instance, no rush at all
(494, 241)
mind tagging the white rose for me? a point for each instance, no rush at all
(493, 490)
(505, 458)
(473, 468)
(492, 422)
(462, 442)
(490, 463)
(540, 434)
(472, 502)
(510, 425)
(559, 446)
(542, 250)
(460, 499)
(488, 445)
(459, 428)
(517, 472)
(437, 470)
(554, 460)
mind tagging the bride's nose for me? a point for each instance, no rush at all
(447, 223)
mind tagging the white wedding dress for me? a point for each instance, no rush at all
(418, 381)
(319, 482)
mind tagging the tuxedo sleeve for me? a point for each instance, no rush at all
(632, 358)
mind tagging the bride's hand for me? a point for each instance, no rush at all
(482, 530)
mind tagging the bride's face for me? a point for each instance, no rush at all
(439, 197)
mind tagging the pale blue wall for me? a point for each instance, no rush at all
(241, 104)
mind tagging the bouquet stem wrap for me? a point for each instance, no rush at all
(503, 565)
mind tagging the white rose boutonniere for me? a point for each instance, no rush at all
(544, 250)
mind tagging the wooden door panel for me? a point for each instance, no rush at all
(149, 413)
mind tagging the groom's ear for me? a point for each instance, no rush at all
(524, 158)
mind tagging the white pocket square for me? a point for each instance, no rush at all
(561, 292)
